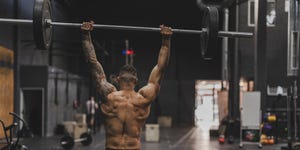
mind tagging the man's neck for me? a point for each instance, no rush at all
(126, 88)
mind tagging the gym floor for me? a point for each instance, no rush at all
(175, 138)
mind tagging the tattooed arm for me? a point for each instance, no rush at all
(103, 87)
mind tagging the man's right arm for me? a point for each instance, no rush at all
(103, 87)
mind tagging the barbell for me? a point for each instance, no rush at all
(42, 27)
(67, 142)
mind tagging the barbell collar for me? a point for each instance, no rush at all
(80, 139)
(63, 143)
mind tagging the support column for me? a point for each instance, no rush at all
(260, 39)
(234, 75)
(16, 60)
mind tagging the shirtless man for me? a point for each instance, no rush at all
(126, 110)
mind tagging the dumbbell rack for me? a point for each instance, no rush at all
(269, 129)
(292, 122)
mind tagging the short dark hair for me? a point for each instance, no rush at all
(128, 69)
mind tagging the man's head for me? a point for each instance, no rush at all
(127, 77)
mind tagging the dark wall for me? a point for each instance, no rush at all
(186, 102)
(188, 64)
(6, 32)
(276, 51)
(61, 90)
(177, 100)
(276, 46)
(34, 76)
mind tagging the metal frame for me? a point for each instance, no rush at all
(293, 53)
(251, 13)
(43, 104)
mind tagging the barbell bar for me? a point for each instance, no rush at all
(16, 21)
(42, 27)
(67, 142)
(126, 28)
(76, 140)
(149, 29)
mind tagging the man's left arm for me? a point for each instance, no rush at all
(151, 90)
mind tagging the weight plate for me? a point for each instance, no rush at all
(42, 32)
(208, 40)
(202, 4)
(88, 139)
(67, 142)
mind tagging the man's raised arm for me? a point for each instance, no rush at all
(103, 87)
(152, 88)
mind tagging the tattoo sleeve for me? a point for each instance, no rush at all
(103, 87)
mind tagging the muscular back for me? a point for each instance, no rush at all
(126, 113)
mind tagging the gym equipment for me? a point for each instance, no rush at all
(230, 139)
(269, 117)
(42, 33)
(215, 3)
(267, 126)
(251, 135)
(293, 73)
(292, 143)
(272, 118)
(42, 26)
(67, 142)
(88, 138)
(210, 22)
(12, 138)
(267, 139)
(221, 139)
(250, 110)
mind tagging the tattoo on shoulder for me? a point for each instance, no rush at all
(106, 88)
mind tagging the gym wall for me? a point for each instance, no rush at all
(276, 50)
(60, 90)
(6, 32)
(276, 45)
